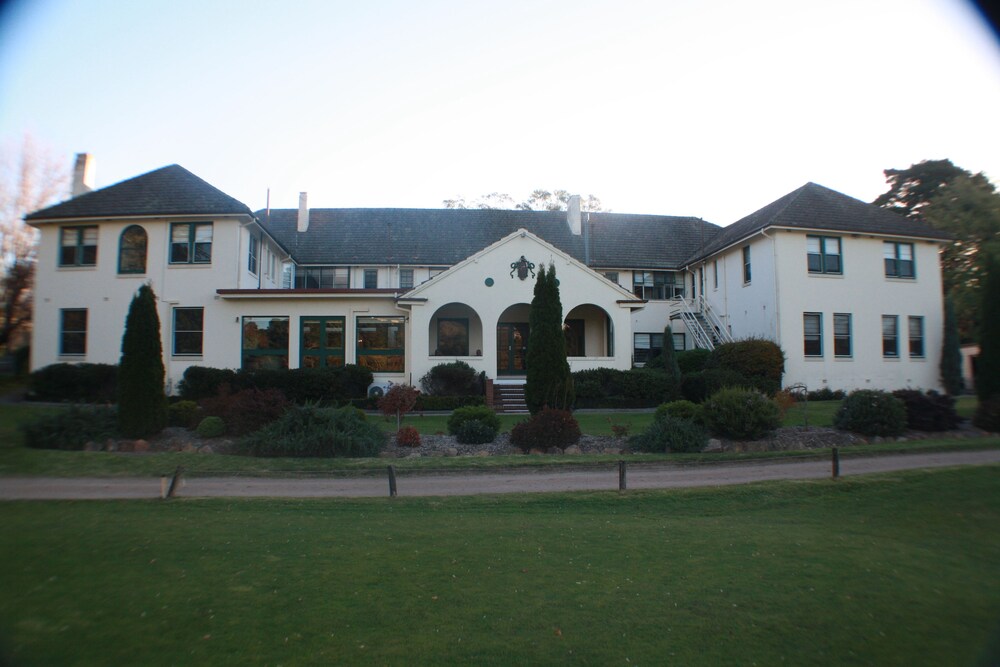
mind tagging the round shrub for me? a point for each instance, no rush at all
(71, 429)
(871, 412)
(680, 410)
(549, 428)
(183, 413)
(479, 413)
(455, 379)
(692, 361)
(696, 387)
(475, 432)
(928, 412)
(312, 431)
(670, 434)
(741, 414)
(78, 383)
(408, 436)
(987, 415)
(211, 427)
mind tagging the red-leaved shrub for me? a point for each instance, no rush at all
(245, 411)
(548, 428)
(408, 437)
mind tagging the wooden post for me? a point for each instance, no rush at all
(621, 475)
(175, 483)
(836, 463)
(392, 481)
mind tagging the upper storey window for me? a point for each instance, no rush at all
(898, 260)
(823, 253)
(191, 243)
(656, 285)
(132, 250)
(323, 277)
(78, 246)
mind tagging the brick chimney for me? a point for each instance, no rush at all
(303, 225)
(83, 174)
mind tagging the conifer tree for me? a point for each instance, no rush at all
(951, 353)
(549, 382)
(142, 405)
(669, 355)
(988, 367)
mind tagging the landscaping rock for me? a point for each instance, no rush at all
(573, 450)
(554, 450)
(451, 451)
(206, 449)
(611, 450)
(536, 452)
(140, 446)
(91, 446)
(714, 446)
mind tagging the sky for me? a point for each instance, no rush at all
(708, 109)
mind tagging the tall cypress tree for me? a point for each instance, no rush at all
(951, 353)
(988, 366)
(670, 364)
(549, 382)
(142, 405)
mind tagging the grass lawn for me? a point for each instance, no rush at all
(893, 569)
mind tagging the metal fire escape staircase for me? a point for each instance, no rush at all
(702, 323)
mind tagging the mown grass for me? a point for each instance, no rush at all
(892, 569)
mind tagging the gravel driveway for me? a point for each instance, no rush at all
(472, 483)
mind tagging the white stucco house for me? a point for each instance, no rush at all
(851, 292)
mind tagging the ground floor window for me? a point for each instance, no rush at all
(189, 327)
(841, 334)
(916, 337)
(382, 343)
(73, 331)
(573, 330)
(890, 336)
(812, 324)
(452, 337)
(679, 343)
(646, 346)
(265, 342)
(322, 342)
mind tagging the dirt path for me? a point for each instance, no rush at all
(467, 483)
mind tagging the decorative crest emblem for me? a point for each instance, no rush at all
(523, 268)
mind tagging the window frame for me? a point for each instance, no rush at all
(339, 277)
(133, 251)
(175, 348)
(895, 265)
(191, 244)
(917, 340)
(65, 333)
(812, 340)
(463, 322)
(369, 356)
(373, 274)
(657, 285)
(79, 248)
(747, 273)
(840, 338)
(406, 284)
(324, 351)
(253, 254)
(654, 344)
(250, 355)
(825, 255)
(890, 337)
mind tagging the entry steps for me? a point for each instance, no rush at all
(509, 399)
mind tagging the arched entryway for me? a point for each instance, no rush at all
(512, 340)
(589, 332)
(455, 331)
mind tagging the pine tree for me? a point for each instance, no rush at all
(670, 355)
(951, 353)
(549, 382)
(142, 405)
(988, 367)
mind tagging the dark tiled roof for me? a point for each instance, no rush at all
(447, 236)
(170, 190)
(816, 207)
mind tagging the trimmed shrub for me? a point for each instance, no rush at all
(211, 427)
(447, 403)
(472, 413)
(201, 382)
(142, 405)
(612, 388)
(826, 394)
(312, 431)
(752, 358)
(475, 432)
(871, 412)
(549, 428)
(78, 383)
(697, 387)
(741, 414)
(408, 436)
(692, 361)
(71, 429)
(183, 413)
(670, 434)
(987, 415)
(247, 410)
(455, 379)
(928, 412)
(680, 410)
